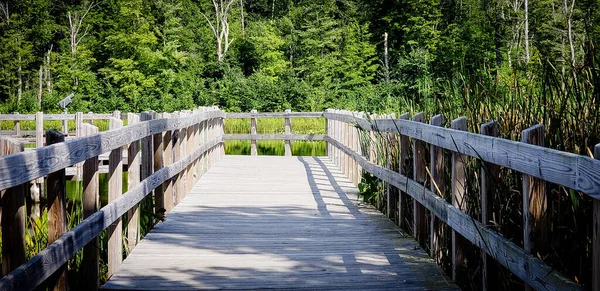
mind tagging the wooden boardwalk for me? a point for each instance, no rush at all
(276, 223)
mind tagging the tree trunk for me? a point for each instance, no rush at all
(242, 15)
(20, 84)
(527, 56)
(570, 33)
(386, 58)
(40, 87)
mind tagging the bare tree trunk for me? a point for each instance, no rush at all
(242, 14)
(386, 58)
(527, 56)
(220, 28)
(40, 87)
(20, 84)
(273, 10)
(47, 75)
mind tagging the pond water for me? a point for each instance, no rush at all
(276, 148)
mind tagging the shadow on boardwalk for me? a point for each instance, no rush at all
(276, 223)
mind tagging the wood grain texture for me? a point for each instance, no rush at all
(13, 215)
(459, 194)
(29, 165)
(436, 162)
(56, 184)
(489, 174)
(534, 198)
(420, 174)
(45, 263)
(115, 189)
(403, 162)
(91, 203)
(134, 160)
(159, 192)
(527, 267)
(309, 231)
(275, 115)
(573, 171)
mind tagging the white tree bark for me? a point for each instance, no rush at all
(570, 33)
(4, 13)
(242, 20)
(220, 27)
(526, 8)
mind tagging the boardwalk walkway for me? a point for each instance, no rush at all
(276, 223)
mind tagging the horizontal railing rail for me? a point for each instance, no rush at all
(172, 153)
(573, 171)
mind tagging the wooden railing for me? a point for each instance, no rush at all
(167, 154)
(288, 137)
(536, 163)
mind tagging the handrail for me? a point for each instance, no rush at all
(573, 171)
(577, 172)
(19, 168)
(184, 133)
(274, 115)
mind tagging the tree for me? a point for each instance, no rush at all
(220, 27)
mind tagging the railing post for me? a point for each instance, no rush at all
(437, 187)
(176, 180)
(39, 142)
(159, 192)
(17, 126)
(288, 130)
(488, 174)
(459, 192)
(596, 236)
(115, 189)
(346, 142)
(327, 133)
(57, 213)
(391, 199)
(78, 133)
(253, 149)
(13, 215)
(534, 198)
(403, 170)
(419, 174)
(91, 202)
(168, 160)
(147, 156)
(134, 158)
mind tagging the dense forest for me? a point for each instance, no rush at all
(137, 55)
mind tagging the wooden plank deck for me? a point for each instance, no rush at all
(276, 223)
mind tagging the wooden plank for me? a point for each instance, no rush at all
(420, 175)
(274, 115)
(241, 241)
(489, 174)
(403, 170)
(288, 131)
(437, 186)
(17, 127)
(596, 236)
(534, 199)
(527, 267)
(573, 171)
(45, 263)
(13, 215)
(134, 159)
(91, 203)
(253, 148)
(16, 116)
(57, 211)
(177, 189)
(459, 193)
(159, 192)
(168, 160)
(29, 165)
(115, 189)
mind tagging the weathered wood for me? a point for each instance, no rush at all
(91, 203)
(254, 114)
(17, 127)
(288, 131)
(115, 189)
(134, 159)
(403, 170)
(41, 266)
(177, 189)
(159, 192)
(29, 165)
(527, 267)
(596, 236)
(168, 160)
(39, 129)
(13, 215)
(57, 210)
(253, 148)
(437, 186)
(488, 174)
(420, 175)
(573, 171)
(459, 193)
(534, 199)
(335, 244)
